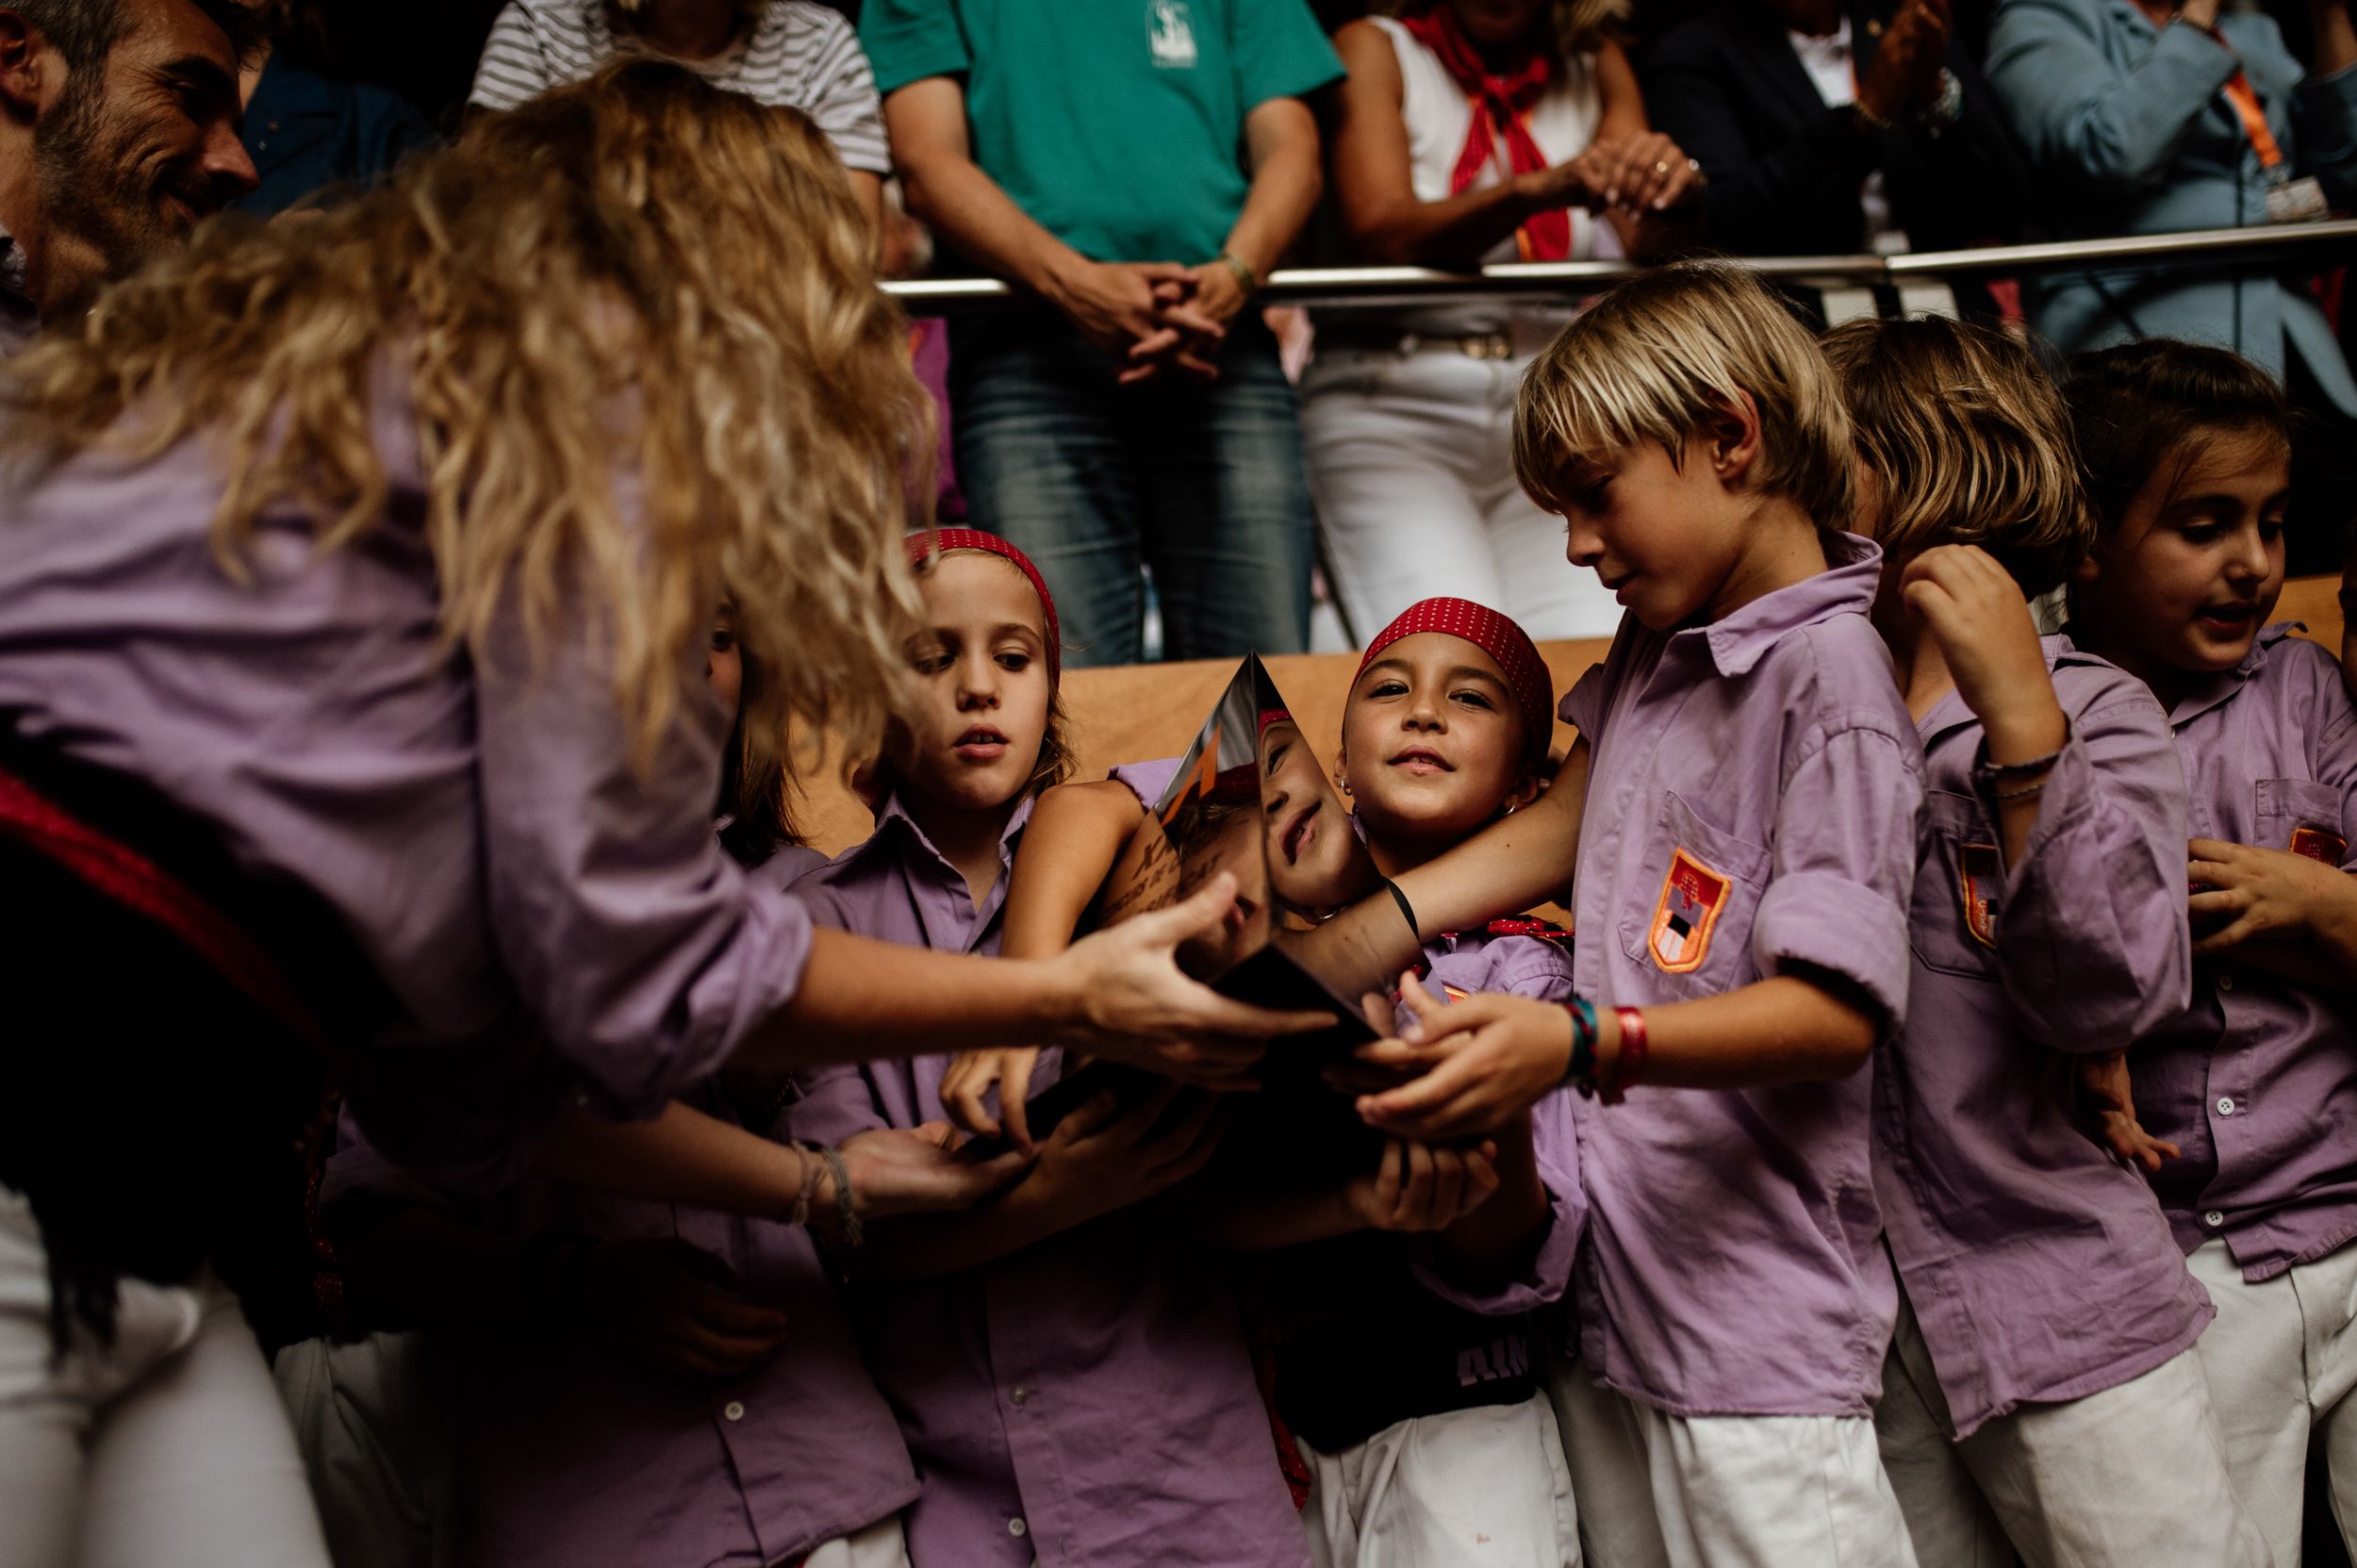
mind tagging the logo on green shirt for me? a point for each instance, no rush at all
(1170, 32)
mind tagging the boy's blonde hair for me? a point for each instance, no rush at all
(1665, 352)
(1971, 442)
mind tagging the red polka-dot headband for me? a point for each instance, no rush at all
(1495, 635)
(940, 541)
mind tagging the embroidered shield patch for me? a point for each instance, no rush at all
(1691, 897)
(2316, 844)
(1980, 875)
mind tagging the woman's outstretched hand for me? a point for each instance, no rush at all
(1128, 1000)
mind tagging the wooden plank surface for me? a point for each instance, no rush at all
(1134, 712)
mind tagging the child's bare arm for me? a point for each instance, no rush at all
(1491, 1057)
(2109, 1098)
(1517, 861)
(1075, 837)
(1494, 1237)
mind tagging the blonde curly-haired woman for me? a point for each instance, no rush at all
(1470, 132)
(356, 581)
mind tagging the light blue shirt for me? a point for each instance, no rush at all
(2131, 129)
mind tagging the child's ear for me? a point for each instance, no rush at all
(1341, 769)
(2086, 570)
(1730, 436)
(1523, 794)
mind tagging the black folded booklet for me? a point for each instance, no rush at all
(1251, 797)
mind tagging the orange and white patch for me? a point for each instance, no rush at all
(1980, 875)
(1691, 897)
(2316, 844)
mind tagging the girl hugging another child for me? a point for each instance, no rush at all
(1071, 1377)
(2042, 1392)
(2251, 1092)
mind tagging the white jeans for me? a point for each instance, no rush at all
(1483, 1488)
(1411, 467)
(167, 1447)
(373, 1422)
(2132, 1477)
(1660, 1491)
(879, 1546)
(2280, 1357)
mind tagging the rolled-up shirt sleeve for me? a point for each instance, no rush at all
(1844, 865)
(643, 952)
(2093, 948)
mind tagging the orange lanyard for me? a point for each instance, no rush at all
(2247, 109)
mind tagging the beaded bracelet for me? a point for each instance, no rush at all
(1580, 1071)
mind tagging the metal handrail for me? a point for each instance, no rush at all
(1361, 286)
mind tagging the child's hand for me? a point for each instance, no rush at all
(2105, 1090)
(1101, 1158)
(917, 1170)
(2262, 895)
(971, 1076)
(1975, 611)
(1423, 1187)
(1482, 1062)
(677, 1307)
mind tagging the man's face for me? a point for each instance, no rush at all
(132, 155)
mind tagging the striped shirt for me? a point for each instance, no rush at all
(800, 54)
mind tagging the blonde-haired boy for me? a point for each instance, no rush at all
(1745, 856)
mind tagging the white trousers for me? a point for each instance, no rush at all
(2132, 1477)
(1660, 1491)
(879, 1546)
(1484, 1488)
(2280, 1357)
(1411, 467)
(373, 1422)
(166, 1449)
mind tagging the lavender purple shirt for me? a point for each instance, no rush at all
(575, 1453)
(547, 923)
(1087, 1401)
(2256, 1084)
(2040, 1267)
(1752, 805)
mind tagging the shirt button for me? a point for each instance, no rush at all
(1017, 1528)
(733, 1410)
(2213, 1219)
(2226, 982)
(2225, 1107)
(1019, 1396)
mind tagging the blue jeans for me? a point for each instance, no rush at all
(1201, 482)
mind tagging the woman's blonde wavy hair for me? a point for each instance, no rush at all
(640, 277)
(1969, 441)
(1577, 26)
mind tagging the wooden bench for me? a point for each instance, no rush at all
(1134, 712)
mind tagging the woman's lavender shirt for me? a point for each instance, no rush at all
(545, 922)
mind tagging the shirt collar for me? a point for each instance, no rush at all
(2218, 689)
(897, 829)
(1846, 587)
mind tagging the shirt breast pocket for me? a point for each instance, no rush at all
(1695, 930)
(2302, 815)
(1959, 889)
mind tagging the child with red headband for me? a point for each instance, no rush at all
(1423, 1423)
(1022, 1341)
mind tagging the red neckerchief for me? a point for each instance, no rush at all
(1500, 105)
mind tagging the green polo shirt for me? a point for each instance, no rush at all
(1116, 125)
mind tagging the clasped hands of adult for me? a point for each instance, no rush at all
(1155, 318)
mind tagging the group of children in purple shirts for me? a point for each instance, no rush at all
(1933, 1140)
